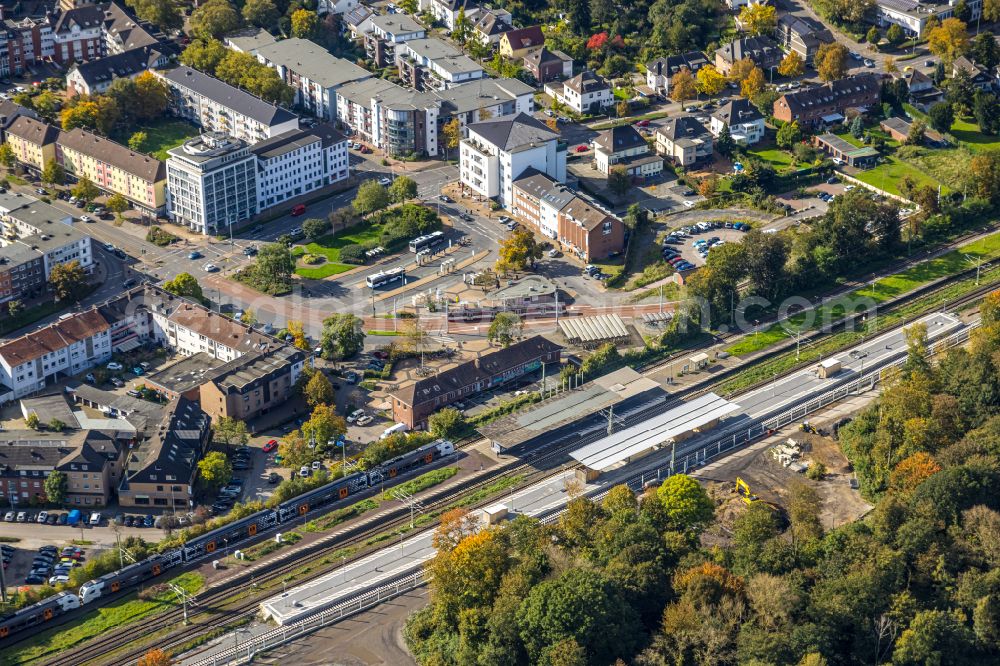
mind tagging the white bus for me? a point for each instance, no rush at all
(383, 278)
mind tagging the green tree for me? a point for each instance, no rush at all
(32, 421)
(830, 61)
(55, 425)
(342, 337)
(185, 285)
(214, 18)
(151, 96)
(323, 426)
(117, 204)
(15, 307)
(68, 280)
(447, 423)
(56, 485)
(53, 173)
(895, 34)
(275, 263)
(583, 606)
(517, 251)
(788, 135)
(7, 157)
(215, 469)
(204, 54)
(505, 328)
(161, 13)
(724, 143)
(138, 141)
(619, 181)
(261, 13)
(688, 506)
(305, 23)
(452, 132)
(371, 197)
(85, 190)
(934, 637)
(230, 431)
(319, 390)
(857, 127)
(314, 228)
(985, 51)
(942, 115)
(873, 37)
(402, 188)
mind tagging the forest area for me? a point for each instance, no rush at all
(625, 580)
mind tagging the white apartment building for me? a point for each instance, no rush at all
(745, 122)
(219, 107)
(912, 16)
(497, 152)
(295, 163)
(396, 28)
(45, 229)
(624, 146)
(398, 120)
(432, 63)
(70, 346)
(447, 11)
(211, 183)
(584, 93)
(312, 71)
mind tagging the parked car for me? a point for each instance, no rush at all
(355, 415)
(195, 254)
(273, 478)
(148, 521)
(114, 366)
(298, 209)
(385, 181)
(63, 519)
(270, 446)
(22, 517)
(95, 519)
(364, 420)
(211, 268)
(305, 471)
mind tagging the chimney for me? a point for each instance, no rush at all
(659, 67)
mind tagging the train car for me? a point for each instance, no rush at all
(229, 535)
(326, 494)
(423, 456)
(130, 576)
(43, 611)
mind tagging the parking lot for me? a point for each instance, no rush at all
(47, 564)
(691, 244)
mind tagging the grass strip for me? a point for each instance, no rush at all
(126, 610)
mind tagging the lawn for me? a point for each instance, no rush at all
(886, 176)
(968, 132)
(778, 158)
(124, 611)
(329, 246)
(948, 165)
(165, 134)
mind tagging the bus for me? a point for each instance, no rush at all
(428, 242)
(383, 278)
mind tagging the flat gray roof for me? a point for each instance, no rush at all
(188, 373)
(625, 445)
(532, 285)
(312, 61)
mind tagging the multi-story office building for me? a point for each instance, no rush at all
(298, 162)
(211, 183)
(219, 107)
(497, 152)
(312, 71)
(114, 168)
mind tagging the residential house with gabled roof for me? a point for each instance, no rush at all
(802, 35)
(414, 402)
(659, 72)
(33, 142)
(491, 25)
(545, 65)
(515, 44)
(584, 93)
(763, 51)
(448, 11)
(745, 122)
(979, 79)
(922, 92)
(683, 140)
(96, 76)
(624, 146)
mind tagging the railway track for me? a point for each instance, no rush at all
(93, 651)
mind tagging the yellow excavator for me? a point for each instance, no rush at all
(743, 490)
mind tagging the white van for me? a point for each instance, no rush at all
(393, 429)
(95, 519)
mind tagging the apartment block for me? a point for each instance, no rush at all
(114, 168)
(828, 103)
(33, 142)
(579, 225)
(386, 33)
(22, 272)
(312, 72)
(398, 120)
(431, 64)
(45, 230)
(912, 16)
(219, 107)
(763, 51)
(253, 384)
(299, 162)
(497, 152)
(212, 183)
(584, 93)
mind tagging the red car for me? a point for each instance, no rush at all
(298, 209)
(380, 354)
(271, 446)
(581, 148)
(643, 123)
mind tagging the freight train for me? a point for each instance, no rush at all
(227, 536)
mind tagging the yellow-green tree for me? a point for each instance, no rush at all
(304, 23)
(741, 69)
(754, 83)
(710, 81)
(452, 133)
(683, 85)
(758, 18)
(318, 390)
(792, 65)
(948, 40)
(215, 469)
(830, 61)
(517, 251)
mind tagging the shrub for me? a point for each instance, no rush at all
(816, 471)
(313, 259)
(159, 237)
(352, 254)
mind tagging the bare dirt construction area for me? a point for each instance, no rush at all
(771, 481)
(373, 638)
